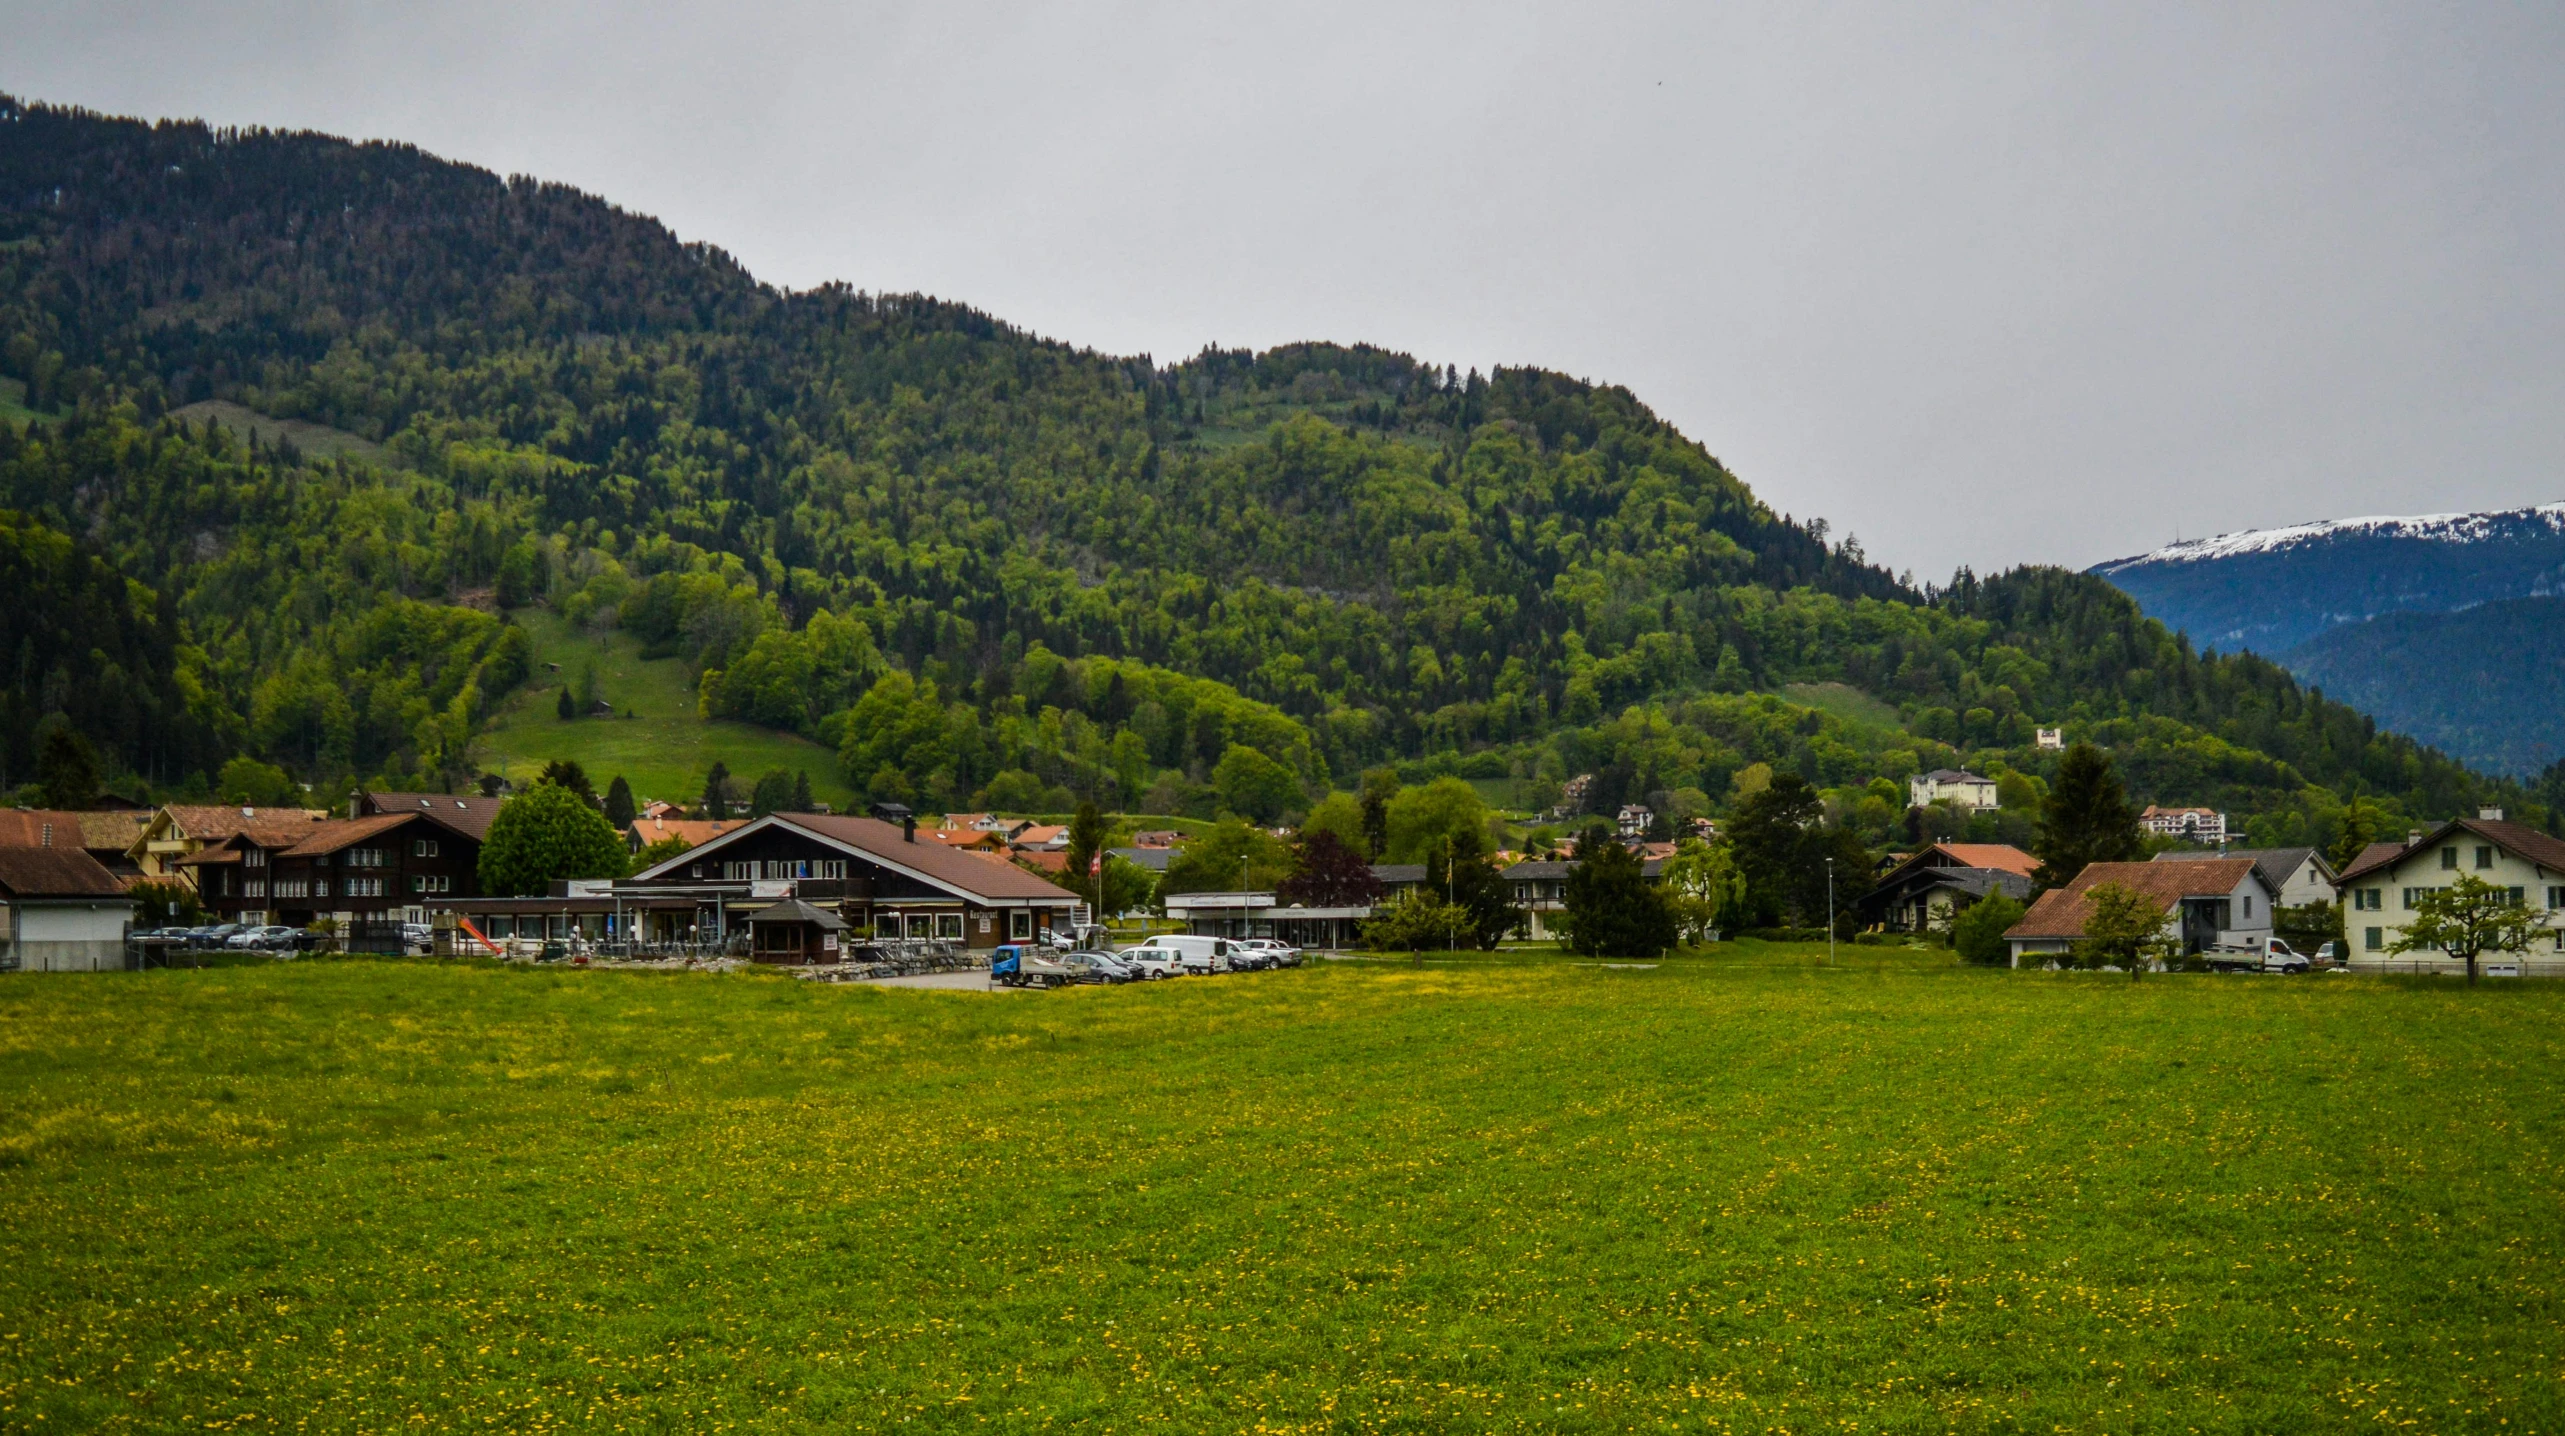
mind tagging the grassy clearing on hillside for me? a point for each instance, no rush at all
(665, 752)
(317, 441)
(1739, 1193)
(1846, 702)
(13, 404)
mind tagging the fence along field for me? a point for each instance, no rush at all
(1738, 1194)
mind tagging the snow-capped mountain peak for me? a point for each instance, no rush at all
(2538, 520)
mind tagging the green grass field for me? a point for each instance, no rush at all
(663, 753)
(1736, 1193)
(317, 441)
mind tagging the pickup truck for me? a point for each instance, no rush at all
(1019, 964)
(2268, 955)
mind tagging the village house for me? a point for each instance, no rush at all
(1926, 889)
(180, 829)
(878, 876)
(2384, 885)
(1539, 889)
(2215, 902)
(107, 835)
(1957, 787)
(2192, 825)
(61, 911)
(2301, 876)
(1633, 819)
(367, 875)
(2051, 739)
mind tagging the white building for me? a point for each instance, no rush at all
(2301, 876)
(2052, 738)
(1950, 785)
(2205, 826)
(61, 911)
(2383, 886)
(1634, 819)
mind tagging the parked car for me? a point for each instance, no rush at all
(417, 937)
(1151, 963)
(1275, 952)
(1021, 964)
(2329, 955)
(1097, 967)
(217, 935)
(272, 938)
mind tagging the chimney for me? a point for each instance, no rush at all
(2413, 837)
(908, 827)
(2489, 815)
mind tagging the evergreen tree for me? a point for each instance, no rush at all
(67, 768)
(773, 794)
(803, 802)
(568, 774)
(619, 806)
(2085, 819)
(1380, 785)
(1474, 887)
(545, 834)
(1612, 910)
(567, 708)
(1086, 845)
(717, 791)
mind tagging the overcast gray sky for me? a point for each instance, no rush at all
(1982, 284)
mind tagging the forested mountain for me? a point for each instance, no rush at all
(977, 563)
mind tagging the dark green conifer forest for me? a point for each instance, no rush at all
(977, 564)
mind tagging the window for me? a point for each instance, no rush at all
(948, 925)
(2449, 857)
(2484, 857)
(363, 887)
(253, 887)
(2373, 938)
(431, 883)
(829, 868)
(2413, 896)
(2367, 900)
(2556, 897)
(320, 887)
(1019, 924)
(254, 858)
(696, 871)
(293, 887)
(738, 872)
(2248, 904)
(2518, 897)
(499, 925)
(365, 857)
(423, 847)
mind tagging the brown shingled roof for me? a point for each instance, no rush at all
(466, 813)
(40, 828)
(337, 833)
(953, 867)
(2061, 912)
(55, 872)
(213, 822)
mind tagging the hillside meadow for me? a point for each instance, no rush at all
(1750, 1192)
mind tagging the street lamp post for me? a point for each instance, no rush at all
(1830, 911)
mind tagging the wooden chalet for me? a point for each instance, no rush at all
(361, 872)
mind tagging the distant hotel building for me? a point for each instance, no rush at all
(2204, 826)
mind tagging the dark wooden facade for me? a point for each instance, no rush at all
(363, 871)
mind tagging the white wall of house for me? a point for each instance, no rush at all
(78, 936)
(2376, 908)
(2306, 885)
(1923, 792)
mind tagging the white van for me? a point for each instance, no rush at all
(1200, 956)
